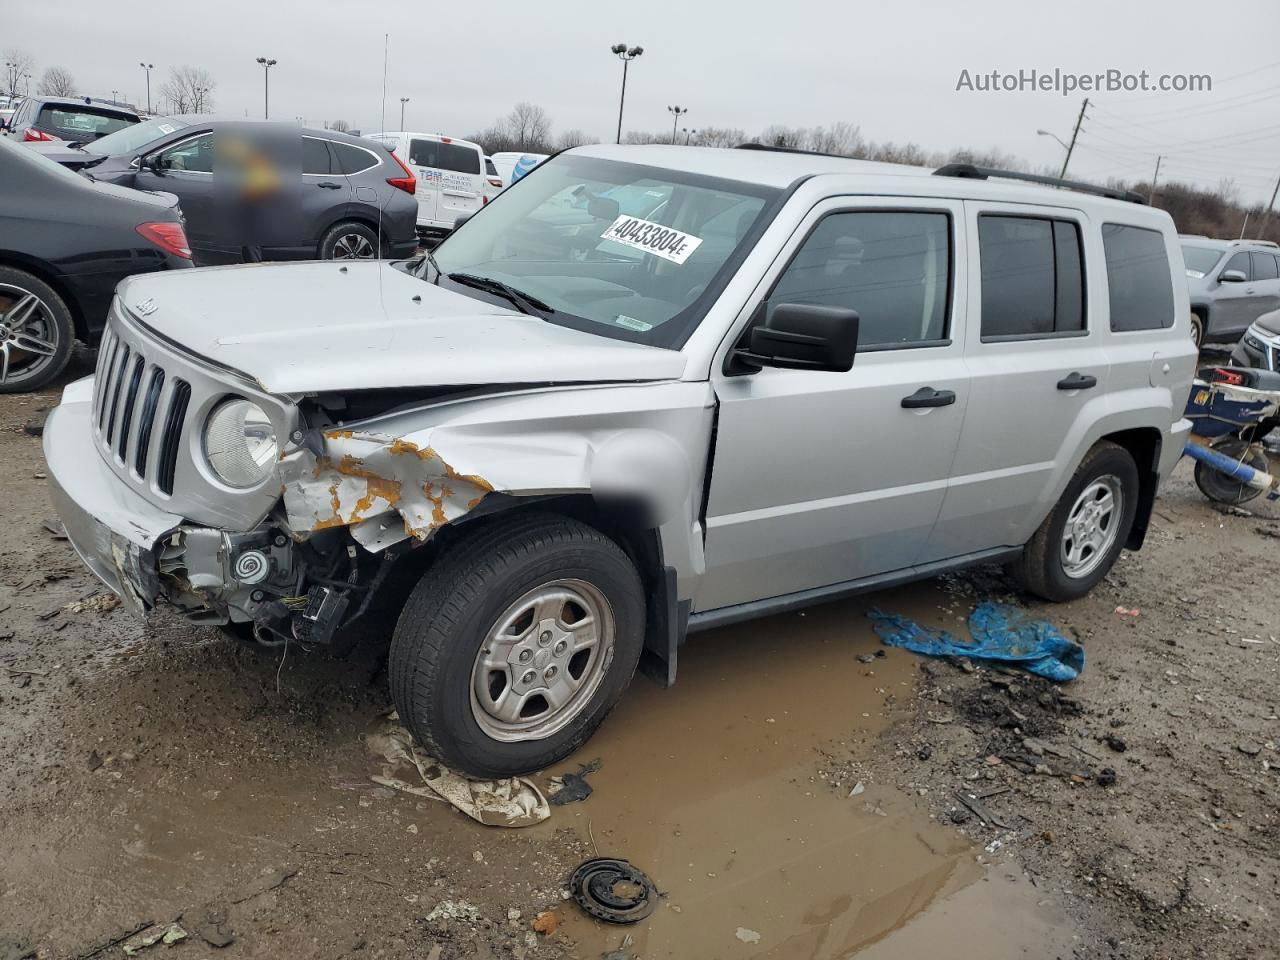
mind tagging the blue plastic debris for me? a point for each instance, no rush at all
(1001, 633)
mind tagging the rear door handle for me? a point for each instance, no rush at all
(329, 185)
(1077, 381)
(929, 397)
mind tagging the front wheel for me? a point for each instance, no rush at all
(1197, 330)
(1079, 541)
(514, 646)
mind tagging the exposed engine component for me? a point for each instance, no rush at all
(613, 890)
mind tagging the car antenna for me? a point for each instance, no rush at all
(382, 125)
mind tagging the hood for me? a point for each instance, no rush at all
(1269, 322)
(321, 326)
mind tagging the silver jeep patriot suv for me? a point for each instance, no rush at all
(647, 391)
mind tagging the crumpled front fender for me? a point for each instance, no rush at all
(386, 488)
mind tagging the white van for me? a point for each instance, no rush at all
(451, 176)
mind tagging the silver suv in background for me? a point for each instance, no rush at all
(575, 434)
(1231, 283)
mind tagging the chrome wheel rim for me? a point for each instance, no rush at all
(352, 246)
(28, 334)
(542, 661)
(1092, 527)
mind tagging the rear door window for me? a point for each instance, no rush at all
(81, 123)
(1032, 277)
(1264, 266)
(352, 159)
(459, 159)
(316, 158)
(1139, 281)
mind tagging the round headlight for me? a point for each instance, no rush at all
(240, 443)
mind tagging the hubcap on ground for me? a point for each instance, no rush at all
(1092, 526)
(28, 334)
(542, 661)
(352, 246)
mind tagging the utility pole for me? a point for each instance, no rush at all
(148, 67)
(676, 113)
(1151, 197)
(626, 55)
(403, 101)
(1074, 133)
(1266, 218)
(688, 134)
(266, 86)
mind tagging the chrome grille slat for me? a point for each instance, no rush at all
(150, 405)
(171, 438)
(107, 369)
(130, 402)
(116, 380)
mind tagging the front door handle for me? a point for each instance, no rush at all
(329, 185)
(1077, 381)
(929, 397)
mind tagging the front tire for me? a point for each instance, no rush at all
(515, 645)
(1078, 542)
(36, 332)
(1197, 330)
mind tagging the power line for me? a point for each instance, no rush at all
(1170, 93)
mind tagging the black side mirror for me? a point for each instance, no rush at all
(1232, 276)
(802, 336)
(155, 164)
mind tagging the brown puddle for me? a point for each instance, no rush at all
(712, 788)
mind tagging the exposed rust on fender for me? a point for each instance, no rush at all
(339, 434)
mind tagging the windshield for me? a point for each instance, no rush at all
(131, 138)
(617, 249)
(1200, 260)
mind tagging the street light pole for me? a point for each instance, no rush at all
(687, 134)
(676, 113)
(403, 101)
(626, 55)
(147, 67)
(266, 86)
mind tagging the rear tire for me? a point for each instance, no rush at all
(1045, 567)
(32, 316)
(350, 241)
(1197, 330)
(482, 633)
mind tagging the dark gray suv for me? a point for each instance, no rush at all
(261, 191)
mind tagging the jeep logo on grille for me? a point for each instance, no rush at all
(146, 308)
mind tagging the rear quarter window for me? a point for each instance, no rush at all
(1139, 280)
(352, 159)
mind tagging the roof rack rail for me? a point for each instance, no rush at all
(772, 149)
(1256, 243)
(970, 172)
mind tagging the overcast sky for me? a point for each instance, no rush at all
(891, 68)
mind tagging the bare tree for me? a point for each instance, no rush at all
(529, 126)
(719, 137)
(57, 82)
(189, 89)
(574, 138)
(17, 63)
(340, 125)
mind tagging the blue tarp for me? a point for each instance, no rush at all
(1000, 632)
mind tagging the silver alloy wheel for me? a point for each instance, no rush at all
(28, 332)
(352, 246)
(1092, 526)
(1197, 330)
(542, 661)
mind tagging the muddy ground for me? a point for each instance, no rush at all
(801, 792)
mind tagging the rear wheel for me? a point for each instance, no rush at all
(1079, 541)
(36, 332)
(1197, 330)
(349, 241)
(514, 647)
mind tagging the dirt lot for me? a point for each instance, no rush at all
(797, 794)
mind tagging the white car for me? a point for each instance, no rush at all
(451, 177)
(512, 164)
(493, 180)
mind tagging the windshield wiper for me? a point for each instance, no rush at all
(524, 302)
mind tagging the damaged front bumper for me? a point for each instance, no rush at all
(114, 530)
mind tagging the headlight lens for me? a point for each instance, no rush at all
(240, 443)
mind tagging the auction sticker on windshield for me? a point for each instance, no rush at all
(665, 242)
